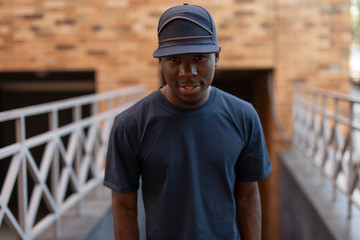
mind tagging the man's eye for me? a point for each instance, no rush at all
(174, 59)
(200, 57)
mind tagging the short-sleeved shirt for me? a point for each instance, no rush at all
(189, 161)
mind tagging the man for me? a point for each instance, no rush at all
(198, 150)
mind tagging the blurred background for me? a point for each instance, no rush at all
(52, 50)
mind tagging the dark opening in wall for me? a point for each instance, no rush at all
(22, 89)
(252, 86)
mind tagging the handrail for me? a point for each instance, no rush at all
(327, 130)
(332, 94)
(69, 166)
(64, 104)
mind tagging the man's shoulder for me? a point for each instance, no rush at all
(232, 101)
(138, 109)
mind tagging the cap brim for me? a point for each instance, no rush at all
(186, 49)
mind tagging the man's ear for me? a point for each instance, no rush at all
(217, 57)
(159, 61)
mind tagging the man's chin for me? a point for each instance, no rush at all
(191, 103)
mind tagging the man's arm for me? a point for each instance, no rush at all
(248, 210)
(124, 207)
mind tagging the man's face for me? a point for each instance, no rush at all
(188, 78)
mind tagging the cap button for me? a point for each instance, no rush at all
(186, 4)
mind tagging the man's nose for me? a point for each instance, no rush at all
(187, 69)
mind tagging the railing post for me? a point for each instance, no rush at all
(95, 110)
(351, 117)
(323, 131)
(55, 170)
(333, 175)
(77, 116)
(349, 203)
(311, 125)
(22, 186)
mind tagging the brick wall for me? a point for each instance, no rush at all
(301, 40)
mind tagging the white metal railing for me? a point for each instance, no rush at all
(69, 166)
(327, 130)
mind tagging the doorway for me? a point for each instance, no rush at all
(22, 89)
(251, 86)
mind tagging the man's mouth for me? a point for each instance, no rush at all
(189, 89)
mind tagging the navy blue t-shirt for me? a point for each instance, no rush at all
(189, 160)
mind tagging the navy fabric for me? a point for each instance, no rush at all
(186, 29)
(192, 12)
(189, 160)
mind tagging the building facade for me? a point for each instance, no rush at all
(267, 48)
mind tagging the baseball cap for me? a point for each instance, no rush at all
(186, 29)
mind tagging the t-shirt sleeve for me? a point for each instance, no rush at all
(122, 171)
(253, 163)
